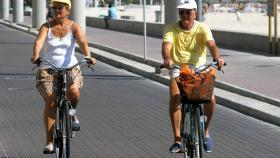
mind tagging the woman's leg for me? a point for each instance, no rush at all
(74, 96)
(74, 99)
(49, 117)
(76, 80)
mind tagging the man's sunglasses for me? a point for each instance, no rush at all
(185, 11)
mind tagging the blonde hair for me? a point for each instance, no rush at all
(68, 8)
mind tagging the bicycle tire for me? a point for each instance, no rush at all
(65, 152)
(185, 132)
(198, 133)
(57, 130)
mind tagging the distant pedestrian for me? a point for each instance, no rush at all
(112, 14)
(101, 4)
(238, 15)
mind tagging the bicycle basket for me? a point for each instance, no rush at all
(197, 88)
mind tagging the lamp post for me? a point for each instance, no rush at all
(275, 26)
(145, 29)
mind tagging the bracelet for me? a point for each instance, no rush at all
(88, 56)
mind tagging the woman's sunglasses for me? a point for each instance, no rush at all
(60, 7)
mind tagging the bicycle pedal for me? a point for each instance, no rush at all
(72, 112)
(73, 134)
(182, 150)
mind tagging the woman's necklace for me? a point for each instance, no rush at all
(61, 27)
(60, 32)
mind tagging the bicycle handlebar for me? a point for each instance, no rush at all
(86, 60)
(205, 67)
(200, 68)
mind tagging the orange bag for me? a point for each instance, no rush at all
(196, 88)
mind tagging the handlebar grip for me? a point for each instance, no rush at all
(38, 62)
(215, 60)
(87, 59)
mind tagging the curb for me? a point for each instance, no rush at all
(255, 113)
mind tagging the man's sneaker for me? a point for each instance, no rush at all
(208, 144)
(75, 124)
(175, 148)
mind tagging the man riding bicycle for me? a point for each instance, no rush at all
(185, 42)
(56, 43)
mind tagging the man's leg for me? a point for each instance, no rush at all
(209, 110)
(106, 18)
(175, 114)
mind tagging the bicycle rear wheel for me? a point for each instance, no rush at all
(65, 122)
(198, 133)
(185, 132)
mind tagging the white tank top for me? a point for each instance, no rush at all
(60, 51)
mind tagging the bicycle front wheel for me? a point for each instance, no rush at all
(65, 148)
(57, 136)
(185, 132)
(198, 133)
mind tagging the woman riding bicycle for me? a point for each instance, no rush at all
(56, 42)
(185, 42)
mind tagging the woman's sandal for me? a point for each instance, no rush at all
(48, 149)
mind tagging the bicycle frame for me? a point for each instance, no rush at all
(64, 110)
(63, 122)
(197, 128)
(193, 117)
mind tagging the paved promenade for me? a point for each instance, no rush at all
(255, 73)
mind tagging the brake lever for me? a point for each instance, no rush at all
(92, 69)
(88, 63)
(219, 69)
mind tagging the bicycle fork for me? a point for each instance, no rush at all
(198, 129)
(203, 119)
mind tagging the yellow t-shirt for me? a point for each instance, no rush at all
(188, 46)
